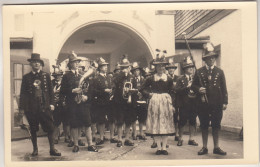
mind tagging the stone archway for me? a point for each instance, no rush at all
(109, 40)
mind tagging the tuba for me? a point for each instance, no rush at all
(79, 96)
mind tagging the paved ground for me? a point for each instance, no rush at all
(141, 151)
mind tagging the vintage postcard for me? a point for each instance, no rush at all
(125, 84)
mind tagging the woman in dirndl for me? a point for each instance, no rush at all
(160, 122)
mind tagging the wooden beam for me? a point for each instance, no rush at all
(208, 20)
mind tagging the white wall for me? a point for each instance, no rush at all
(50, 26)
(227, 32)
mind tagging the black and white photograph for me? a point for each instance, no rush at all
(128, 82)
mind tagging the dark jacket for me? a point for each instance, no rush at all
(69, 82)
(173, 91)
(182, 92)
(137, 84)
(100, 83)
(119, 82)
(216, 87)
(28, 102)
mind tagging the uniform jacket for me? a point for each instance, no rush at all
(56, 90)
(173, 91)
(215, 84)
(69, 82)
(100, 83)
(182, 92)
(137, 84)
(28, 102)
(119, 81)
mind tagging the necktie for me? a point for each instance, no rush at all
(76, 73)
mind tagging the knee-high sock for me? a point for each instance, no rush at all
(205, 133)
(164, 142)
(215, 135)
(75, 135)
(158, 140)
(89, 135)
(112, 130)
(51, 138)
(34, 139)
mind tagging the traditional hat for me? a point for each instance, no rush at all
(94, 64)
(135, 66)
(125, 62)
(187, 62)
(160, 57)
(36, 57)
(101, 62)
(147, 71)
(117, 67)
(58, 71)
(171, 64)
(73, 57)
(208, 50)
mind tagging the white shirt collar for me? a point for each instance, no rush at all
(212, 67)
(35, 72)
(157, 77)
(103, 74)
(74, 71)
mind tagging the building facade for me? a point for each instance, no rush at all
(92, 33)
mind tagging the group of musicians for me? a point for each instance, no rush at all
(86, 100)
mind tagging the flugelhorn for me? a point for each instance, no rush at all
(79, 96)
(127, 91)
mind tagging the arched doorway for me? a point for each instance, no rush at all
(107, 40)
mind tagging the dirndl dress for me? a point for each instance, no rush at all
(160, 121)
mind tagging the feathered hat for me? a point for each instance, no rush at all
(135, 66)
(125, 62)
(101, 62)
(208, 50)
(171, 64)
(160, 57)
(187, 62)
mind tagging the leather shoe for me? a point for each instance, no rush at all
(99, 142)
(35, 152)
(75, 149)
(193, 143)
(92, 148)
(203, 151)
(119, 144)
(113, 140)
(180, 143)
(129, 143)
(219, 151)
(154, 145)
(158, 152)
(164, 152)
(81, 143)
(71, 144)
(176, 138)
(55, 152)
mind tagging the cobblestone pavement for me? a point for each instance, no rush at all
(141, 151)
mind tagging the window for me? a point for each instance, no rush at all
(18, 72)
